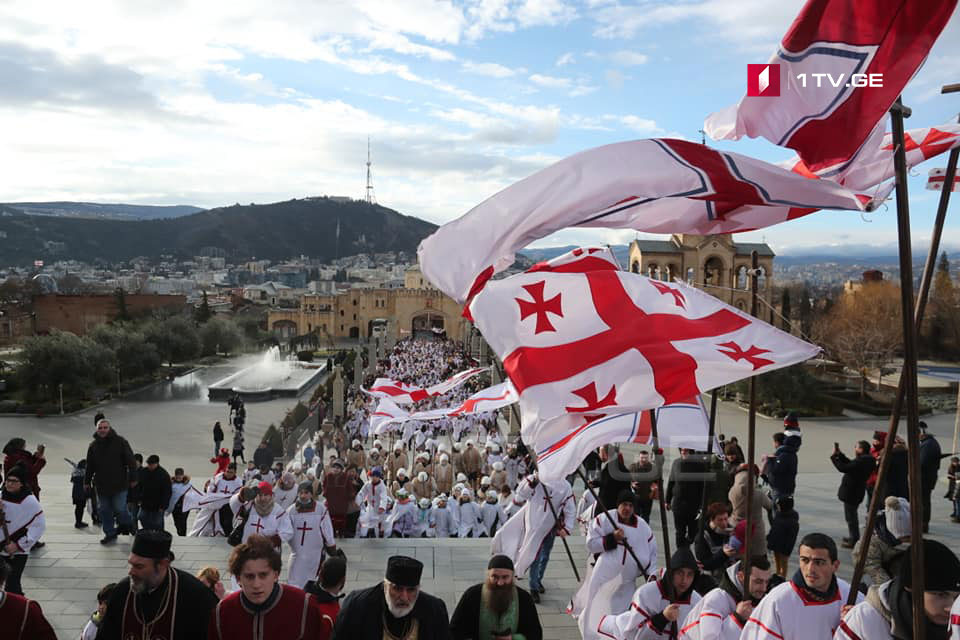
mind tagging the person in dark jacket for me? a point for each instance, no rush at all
(853, 485)
(497, 604)
(783, 533)
(263, 456)
(217, 437)
(133, 493)
(155, 491)
(781, 468)
(685, 494)
(897, 475)
(109, 462)
(710, 546)
(78, 494)
(614, 478)
(643, 481)
(15, 452)
(930, 456)
(395, 605)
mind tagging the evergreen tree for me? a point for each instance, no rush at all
(805, 312)
(120, 299)
(203, 312)
(943, 327)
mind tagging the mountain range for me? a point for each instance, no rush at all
(323, 228)
(103, 211)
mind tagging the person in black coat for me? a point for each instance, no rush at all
(783, 533)
(489, 606)
(614, 478)
(853, 485)
(685, 494)
(109, 463)
(155, 491)
(217, 437)
(397, 603)
(930, 456)
(711, 544)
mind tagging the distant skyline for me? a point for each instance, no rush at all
(205, 104)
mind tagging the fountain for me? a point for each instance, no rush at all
(272, 377)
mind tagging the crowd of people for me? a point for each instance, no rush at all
(460, 477)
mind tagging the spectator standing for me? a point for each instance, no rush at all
(262, 457)
(238, 446)
(930, 456)
(327, 591)
(853, 485)
(685, 495)
(155, 492)
(954, 492)
(217, 437)
(79, 494)
(761, 501)
(711, 546)
(644, 484)
(308, 453)
(890, 531)
(15, 452)
(783, 533)
(876, 449)
(110, 463)
(179, 485)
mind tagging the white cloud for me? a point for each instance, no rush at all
(640, 125)
(565, 59)
(544, 12)
(627, 58)
(491, 69)
(550, 82)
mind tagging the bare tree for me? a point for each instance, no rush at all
(862, 329)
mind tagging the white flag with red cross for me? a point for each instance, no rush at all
(873, 163)
(586, 346)
(403, 393)
(495, 397)
(386, 414)
(659, 185)
(838, 69)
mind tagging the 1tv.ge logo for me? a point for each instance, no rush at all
(763, 80)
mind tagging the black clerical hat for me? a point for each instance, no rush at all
(404, 571)
(152, 543)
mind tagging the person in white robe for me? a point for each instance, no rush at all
(312, 537)
(425, 525)
(886, 613)
(651, 614)
(285, 493)
(24, 520)
(372, 499)
(402, 522)
(612, 578)
(491, 514)
(955, 620)
(469, 520)
(263, 515)
(444, 524)
(585, 510)
(808, 606)
(723, 611)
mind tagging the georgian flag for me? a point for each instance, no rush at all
(656, 185)
(873, 163)
(402, 393)
(580, 260)
(387, 413)
(938, 177)
(495, 397)
(827, 123)
(583, 348)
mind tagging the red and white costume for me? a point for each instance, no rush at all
(290, 616)
(371, 498)
(787, 613)
(277, 522)
(312, 533)
(636, 622)
(712, 618)
(25, 513)
(612, 580)
(217, 494)
(220, 484)
(955, 620)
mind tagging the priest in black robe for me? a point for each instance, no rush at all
(156, 600)
(496, 609)
(395, 609)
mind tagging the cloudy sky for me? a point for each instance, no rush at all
(208, 103)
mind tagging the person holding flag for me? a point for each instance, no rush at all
(722, 612)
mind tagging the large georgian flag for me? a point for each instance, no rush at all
(495, 397)
(402, 393)
(657, 185)
(386, 414)
(581, 348)
(873, 163)
(827, 124)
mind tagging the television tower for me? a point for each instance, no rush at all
(371, 198)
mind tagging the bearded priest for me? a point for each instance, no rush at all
(395, 609)
(497, 608)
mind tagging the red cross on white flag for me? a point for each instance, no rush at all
(402, 393)
(618, 342)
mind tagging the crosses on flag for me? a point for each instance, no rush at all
(617, 343)
(656, 185)
(938, 177)
(386, 414)
(824, 118)
(402, 393)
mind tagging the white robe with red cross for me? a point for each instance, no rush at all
(277, 522)
(636, 622)
(612, 580)
(712, 618)
(786, 613)
(312, 533)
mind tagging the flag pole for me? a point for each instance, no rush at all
(667, 582)
(710, 453)
(751, 430)
(897, 408)
(909, 371)
(626, 545)
(553, 509)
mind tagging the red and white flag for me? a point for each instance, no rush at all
(580, 260)
(826, 118)
(873, 163)
(387, 413)
(579, 346)
(938, 177)
(656, 185)
(495, 397)
(402, 393)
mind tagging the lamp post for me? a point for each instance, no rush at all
(61, 398)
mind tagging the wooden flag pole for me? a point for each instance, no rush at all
(667, 582)
(751, 431)
(909, 372)
(918, 314)
(710, 453)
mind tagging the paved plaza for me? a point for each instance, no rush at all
(175, 420)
